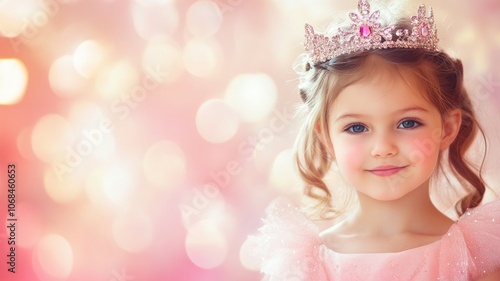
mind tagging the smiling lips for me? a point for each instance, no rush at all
(385, 171)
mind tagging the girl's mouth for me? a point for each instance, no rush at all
(385, 171)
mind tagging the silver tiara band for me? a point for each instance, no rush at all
(366, 33)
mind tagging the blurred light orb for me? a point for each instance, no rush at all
(164, 165)
(63, 188)
(91, 125)
(266, 150)
(118, 184)
(163, 56)
(217, 121)
(83, 114)
(117, 80)
(202, 57)
(206, 244)
(109, 186)
(253, 95)
(94, 189)
(50, 136)
(154, 20)
(13, 81)
(64, 79)
(16, 19)
(221, 213)
(213, 205)
(55, 256)
(203, 18)
(133, 231)
(249, 261)
(283, 165)
(88, 57)
(105, 150)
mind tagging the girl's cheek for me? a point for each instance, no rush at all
(422, 149)
(349, 155)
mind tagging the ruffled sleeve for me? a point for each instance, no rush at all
(471, 249)
(288, 244)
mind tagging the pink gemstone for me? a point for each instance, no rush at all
(424, 30)
(365, 31)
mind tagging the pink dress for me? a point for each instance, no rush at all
(290, 249)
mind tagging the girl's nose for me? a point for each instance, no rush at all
(384, 146)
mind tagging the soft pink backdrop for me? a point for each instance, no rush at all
(149, 135)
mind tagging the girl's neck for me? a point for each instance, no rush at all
(388, 226)
(413, 213)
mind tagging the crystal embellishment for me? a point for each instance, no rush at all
(367, 33)
(424, 31)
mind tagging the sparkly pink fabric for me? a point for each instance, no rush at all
(290, 249)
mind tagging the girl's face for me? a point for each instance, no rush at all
(386, 137)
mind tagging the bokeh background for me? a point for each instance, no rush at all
(149, 135)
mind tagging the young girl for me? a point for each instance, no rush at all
(388, 110)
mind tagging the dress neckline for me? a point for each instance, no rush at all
(451, 229)
(419, 248)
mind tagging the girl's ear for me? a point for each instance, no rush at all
(451, 127)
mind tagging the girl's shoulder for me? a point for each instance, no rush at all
(288, 244)
(474, 240)
(479, 221)
(485, 212)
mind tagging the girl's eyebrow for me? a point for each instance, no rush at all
(404, 110)
(413, 108)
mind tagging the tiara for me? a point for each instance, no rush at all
(366, 33)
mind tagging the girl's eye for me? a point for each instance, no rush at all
(356, 129)
(409, 124)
